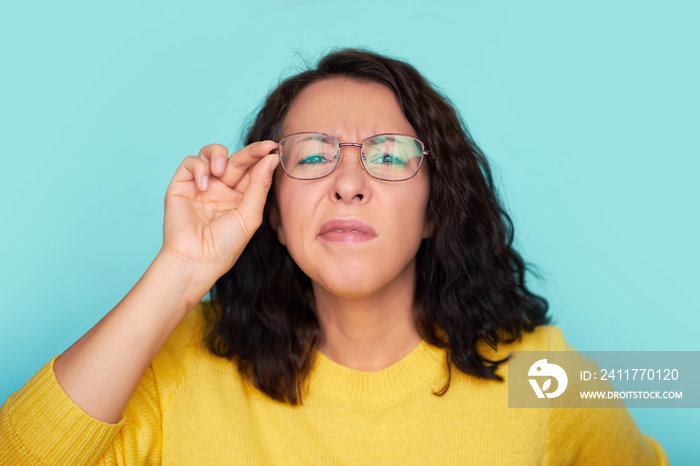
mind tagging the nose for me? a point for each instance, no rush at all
(350, 180)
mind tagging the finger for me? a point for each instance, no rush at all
(216, 156)
(195, 169)
(242, 185)
(253, 201)
(240, 162)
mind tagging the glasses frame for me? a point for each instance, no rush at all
(424, 154)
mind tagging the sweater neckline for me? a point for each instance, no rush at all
(422, 368)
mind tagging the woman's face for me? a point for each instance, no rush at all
(353, 235)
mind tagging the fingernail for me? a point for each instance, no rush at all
(205, 183)
(221, 165)
(273, 164)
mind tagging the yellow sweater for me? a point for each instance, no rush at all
(192, 407)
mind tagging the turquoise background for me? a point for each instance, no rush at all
(588, 112)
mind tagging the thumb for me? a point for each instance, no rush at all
(253, 202)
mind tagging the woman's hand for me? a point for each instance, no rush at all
(214, 204)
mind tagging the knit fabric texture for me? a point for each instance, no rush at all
(192, 407)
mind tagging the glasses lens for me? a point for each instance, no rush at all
(307, 156)
(392, 157)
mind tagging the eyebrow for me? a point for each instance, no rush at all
(383, 138)
(314, 137)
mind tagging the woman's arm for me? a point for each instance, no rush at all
(213, 206)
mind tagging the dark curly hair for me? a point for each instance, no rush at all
(470, 283)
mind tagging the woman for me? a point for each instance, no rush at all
(362, 312)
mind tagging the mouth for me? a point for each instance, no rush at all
(346, 231)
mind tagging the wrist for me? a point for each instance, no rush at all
(186, 281)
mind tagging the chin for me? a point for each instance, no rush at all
(348, 284)
(347, 289)
(359, 276)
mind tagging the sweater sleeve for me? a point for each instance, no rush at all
(594, 435)
(40, 424)
(600, 436)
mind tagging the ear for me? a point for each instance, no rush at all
(276, 221)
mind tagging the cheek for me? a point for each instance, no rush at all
(295, 203)
(416, 207)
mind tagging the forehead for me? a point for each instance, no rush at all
(348, 109)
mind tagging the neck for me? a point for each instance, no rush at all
(368, 333)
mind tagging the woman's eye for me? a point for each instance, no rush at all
(313, 159)
(388, 159)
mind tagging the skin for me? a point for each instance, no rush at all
(363, 290)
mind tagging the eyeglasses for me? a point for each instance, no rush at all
(387, 157)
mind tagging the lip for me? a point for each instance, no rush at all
(346, 231)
